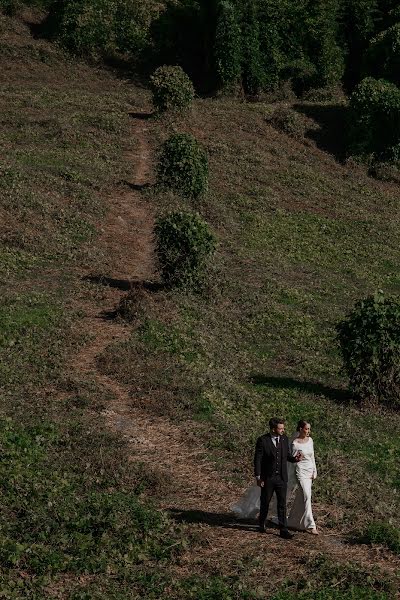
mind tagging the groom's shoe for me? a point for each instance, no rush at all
(285, 534)
(262, 528)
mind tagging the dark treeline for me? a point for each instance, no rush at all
(246, 45)
(257, 44)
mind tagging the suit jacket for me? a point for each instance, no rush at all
(265, 457)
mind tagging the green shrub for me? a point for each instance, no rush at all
(287, 121)
(321, 23)
(92, 27)
(172, 88)
(84, 27)
(383, 56)
(358, 24)
(386, 171)
(369, 339)
(184, 245)
(384, 533)
(183, 165)
(252, 68)
(227, 47)
(130, 27)
(9, 7)
(299, 41)
(374, 118)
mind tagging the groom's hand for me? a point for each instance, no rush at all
(260, 482)
(299, 456)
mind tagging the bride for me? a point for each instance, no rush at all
(305, 471)
(300, 478)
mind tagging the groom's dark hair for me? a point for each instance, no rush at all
(274, 422)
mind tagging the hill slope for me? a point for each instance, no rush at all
(192, 381)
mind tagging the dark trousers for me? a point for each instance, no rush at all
(278, 486)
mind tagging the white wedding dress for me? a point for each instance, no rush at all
(305, 471)
(300, 478)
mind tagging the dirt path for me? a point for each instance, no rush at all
(192, 481)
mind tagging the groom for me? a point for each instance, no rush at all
(270, 469)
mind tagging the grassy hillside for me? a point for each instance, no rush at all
(300, 238)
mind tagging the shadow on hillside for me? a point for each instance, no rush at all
(138, 187)
(225, 520)
(331, 134)
(141, 116)
(341, 396)
(126, 285)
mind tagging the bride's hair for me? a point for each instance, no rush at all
(302, 423)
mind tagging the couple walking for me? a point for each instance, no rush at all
(273, 455)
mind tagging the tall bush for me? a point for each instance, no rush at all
(322, 46)
(383, 56)
(131, 20)
(227, 46)
(369, 339)
(184, 246)
(183, 165)
(172, 88)
(275, 26)
(374, 118)
(253, 76)
(358, 24)
(92, 27)
(300, 41)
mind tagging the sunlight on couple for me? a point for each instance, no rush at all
(286, 468)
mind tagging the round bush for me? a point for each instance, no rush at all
(369, 339)
(287, 121)
(184, 246)
(383, 56)
(172, 89)
(183, 166)
(374, 118)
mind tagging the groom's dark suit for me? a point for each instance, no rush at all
(270, 464)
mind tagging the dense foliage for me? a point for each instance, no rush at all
(249, 45)
(383, 58)
(172, 89)
(358, 24)
(375, 118)
(227, 46)
(183, 165)
(384, 533)
(91, 27)
(184, 245)
(370, 343)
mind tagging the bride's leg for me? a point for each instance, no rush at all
(308, 519)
